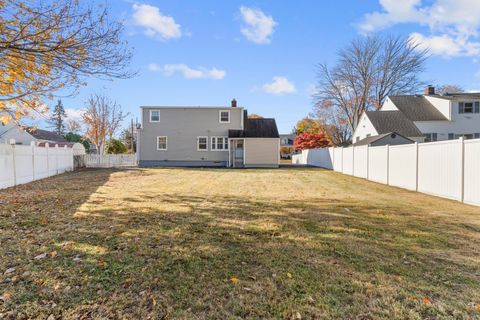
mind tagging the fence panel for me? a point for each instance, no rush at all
(21, 164)
(24, 164)
(348, 161)
(402, 167)
(337, 159)
(52, 161)
(41, 163)
(472, 172)
(378, 164)
(440, 168)
(7, 178)
(319, 158)
(110, 160)
(360, 163)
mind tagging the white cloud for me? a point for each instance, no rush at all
(258, 27)
(190, 73)
(155, 23)
(74, 114)
(454, 25)
(154, 67)
(279, 86)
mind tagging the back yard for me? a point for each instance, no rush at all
(226, 244)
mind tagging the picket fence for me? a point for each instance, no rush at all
(449, 169)
(21, 164)
(110, 160)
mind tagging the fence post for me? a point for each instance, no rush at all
(56, 158)
(353, 161)
(416, 165)
(368, 161)
(342, 161)
(47, 147)
(462, 173)
(32, 144)
(388, 164)
(12, 145)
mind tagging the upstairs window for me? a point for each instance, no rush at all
(162, 143)
(469, 107)
(202, 143)
(154, 115)
(219, 144)
(224, 116)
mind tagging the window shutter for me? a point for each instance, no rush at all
(451, 136)
(477, 107)
(434, 137)
(460, 107)
(477, 135)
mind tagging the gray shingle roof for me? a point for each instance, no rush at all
(461, 95)
(372, 139)
(256, 128)
(393, 121)
(417, 108)
(45, 135)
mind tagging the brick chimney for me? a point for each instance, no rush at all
(234, 103)
(430, 90)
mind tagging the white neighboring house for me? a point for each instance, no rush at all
(25, 136)
(423, 118)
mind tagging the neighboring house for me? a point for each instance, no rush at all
(286, 145)
(424, 118)
(24, 136)
(206, 136)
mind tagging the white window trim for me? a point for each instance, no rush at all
(166, 143)
(220, 116)
(159, 116)
(198, 143)
(213, 146)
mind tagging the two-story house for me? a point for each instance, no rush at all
(421, 118)
(206, 136)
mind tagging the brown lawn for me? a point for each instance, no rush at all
(234, 244)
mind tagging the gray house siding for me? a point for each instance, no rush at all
(182, 127)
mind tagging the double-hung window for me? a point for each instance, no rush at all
(202, 143)
(430, 137)
(162, 143)
(154, 115)
(469, 107)
(224, 116)
(219, 144)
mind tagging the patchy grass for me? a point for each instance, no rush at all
(230, 244)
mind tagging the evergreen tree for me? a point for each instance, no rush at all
(57, 120)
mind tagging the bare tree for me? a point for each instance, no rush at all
(368, 70)
(102, 118)
(73, 126)
(449, 88)
(50, 45)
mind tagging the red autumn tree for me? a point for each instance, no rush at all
(311, 141)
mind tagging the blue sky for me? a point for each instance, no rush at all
(263, 53)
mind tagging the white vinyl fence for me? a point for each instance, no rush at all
(449, 169)
(110, 160)
(21, 164)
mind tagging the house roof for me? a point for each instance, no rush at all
(393, 121)
(459, 95)
(417, 108)
(41, 134)
(256, 128)
(373, 139)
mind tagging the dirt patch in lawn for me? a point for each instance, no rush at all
(228, 244)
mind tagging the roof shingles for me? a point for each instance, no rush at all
(393, 121)
(417, 108)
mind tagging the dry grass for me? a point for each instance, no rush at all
(165, 243)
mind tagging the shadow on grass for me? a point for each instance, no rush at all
(114, 251)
